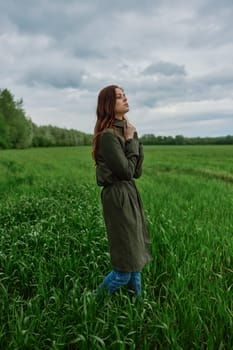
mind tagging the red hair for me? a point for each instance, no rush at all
(105, 112)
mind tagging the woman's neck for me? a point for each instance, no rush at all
(119, 117)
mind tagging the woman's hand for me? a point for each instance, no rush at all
(129, 129)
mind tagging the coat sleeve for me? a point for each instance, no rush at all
(122, 164)
(138, 169)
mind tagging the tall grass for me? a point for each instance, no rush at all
(54, 252)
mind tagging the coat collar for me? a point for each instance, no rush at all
(119, 123)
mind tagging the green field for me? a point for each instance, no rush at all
(53, 252)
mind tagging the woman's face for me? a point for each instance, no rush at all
(121, 105)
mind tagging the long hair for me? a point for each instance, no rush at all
(105, 112)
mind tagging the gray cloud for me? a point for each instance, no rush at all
(52, 77)
(164, 68)
(173, 59)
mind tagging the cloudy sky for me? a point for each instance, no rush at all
(174, 59)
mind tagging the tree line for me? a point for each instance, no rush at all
(150, 139)
(18, 131)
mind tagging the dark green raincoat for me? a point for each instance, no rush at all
(118, 162)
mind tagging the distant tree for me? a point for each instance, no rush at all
(148, 139)
(15, 127)
(4, 133)
(179, 140)
(52, 136)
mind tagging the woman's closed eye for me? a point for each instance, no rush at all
(121, 97)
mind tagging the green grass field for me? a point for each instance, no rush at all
(53, 253)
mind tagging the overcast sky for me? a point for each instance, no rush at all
(174, 59)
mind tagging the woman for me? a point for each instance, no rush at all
(118, 156)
